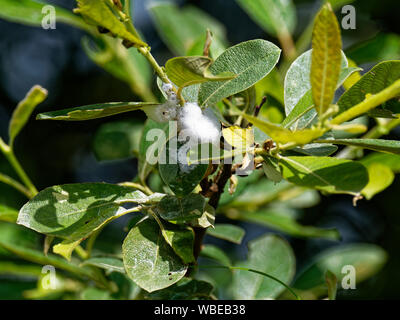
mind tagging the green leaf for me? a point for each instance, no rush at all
(367, 259)
(94, 111)
(389, 146)
(316, 149)
(182, 29)
(110, 264)
(30, 12)
(117, 140)
(227, 232)
(250, 61)
(332, 175)
(181, 209)
(326, 58)
(149, 260)
(74, 211)
(286, 223)
(390, 160)
(380, 177)
(185, 289)
(297, 90)
(377, 79)
(206, 220)
(269, 254)
(331, 283)
(282, 135)
(144, 167)
(182, 178)
(181, 240)
(187, 71)
(215, 253)
(271, 169)
(24, 109)
(66, 247)
(274, 16)
(98, 13)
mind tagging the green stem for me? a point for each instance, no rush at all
(81, 253)
(16, 185)
(9, 154)
(369, 103)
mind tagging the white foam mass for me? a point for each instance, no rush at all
(201, 126)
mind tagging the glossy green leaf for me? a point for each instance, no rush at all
(286, 223)
(181, 209)
(185, 289)
(24, 110)
(93, 111)
(380, 177)
(269, 254)
(98, 13)
(110, 264)
(149, 260)
(215, 253)
(377, 79)
(30, 12)
(181, 240)
(283, 135)
(274, 16)
(367, 259)
(187, 71)
(74, 211)
(182, 29)
(227, 232)
(389, 146)
(250, 61)
(332, 175)
(326, 58)
(117, 140)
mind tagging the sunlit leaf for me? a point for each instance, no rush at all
(149, 260)
(380, 177)
(326, 58)
(250, 61)
(94, 111)
(381, 145)
(324, 173)
(227, 232)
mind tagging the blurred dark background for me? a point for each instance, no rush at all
(61, 152)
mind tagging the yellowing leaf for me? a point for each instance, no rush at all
(238, 137)
(66, 247)
(326, 58)
(283, 135)
(380, 177)
(98, 13)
